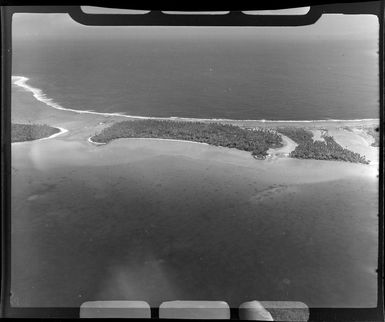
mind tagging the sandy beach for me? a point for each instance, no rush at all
(144, 186)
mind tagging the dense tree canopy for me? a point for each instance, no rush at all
(257, 141)
(29, 132)
(319, 150)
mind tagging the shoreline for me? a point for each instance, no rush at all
(21, 81)
(61, 131)
(153, 139)
(83, 125)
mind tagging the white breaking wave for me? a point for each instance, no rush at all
(21, 81)
(62, 131)
(42, 97)
(93, 142)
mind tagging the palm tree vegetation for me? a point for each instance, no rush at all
(328, 149)
(256, 141)
(29, 132)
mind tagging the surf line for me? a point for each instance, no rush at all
(38, 94)
(62, 131)
(21, 81)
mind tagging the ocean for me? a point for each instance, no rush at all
(163, 221)
(250, 78)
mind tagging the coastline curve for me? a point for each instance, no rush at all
(39, 95)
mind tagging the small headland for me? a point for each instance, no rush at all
(30, 132)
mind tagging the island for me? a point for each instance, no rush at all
(30, 132)
(256, 141)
